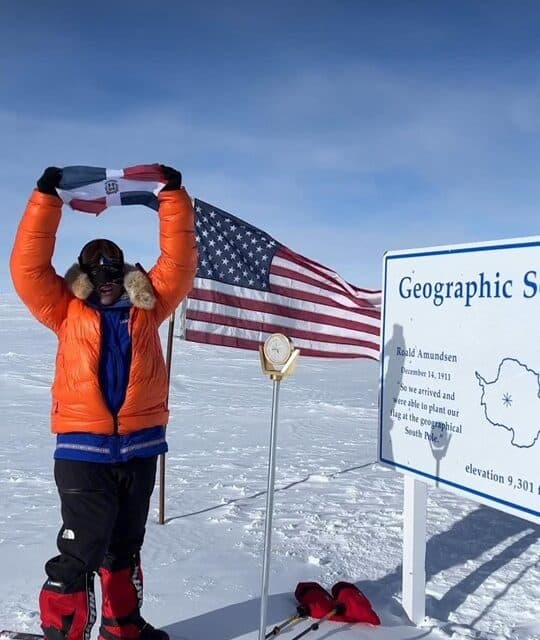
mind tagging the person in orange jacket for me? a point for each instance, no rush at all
(109, 404)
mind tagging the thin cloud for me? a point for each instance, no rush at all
(339, 163)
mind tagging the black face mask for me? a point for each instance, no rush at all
(106, 275)
(106, 271)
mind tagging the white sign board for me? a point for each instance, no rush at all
(460, 367)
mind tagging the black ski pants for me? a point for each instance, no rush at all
(104, 513)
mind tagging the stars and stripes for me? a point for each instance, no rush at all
(93, 189)
(248, 286)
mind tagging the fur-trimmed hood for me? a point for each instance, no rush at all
(136, 283)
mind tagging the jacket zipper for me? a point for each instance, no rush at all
(116, 422)
(114, 415)
(130, 334)
(117, 357)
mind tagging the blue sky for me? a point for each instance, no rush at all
(343, 128)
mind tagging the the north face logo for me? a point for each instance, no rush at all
(111, 186)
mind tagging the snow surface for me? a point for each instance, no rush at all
(337, 512)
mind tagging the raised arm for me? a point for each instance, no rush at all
(39, 287)
(172, 276)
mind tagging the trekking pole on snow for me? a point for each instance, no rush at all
(301, 613)
(338, 610)
(278, 360)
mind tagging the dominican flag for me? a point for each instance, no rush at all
(93, 189)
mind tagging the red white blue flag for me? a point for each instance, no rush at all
(249, 286)
(93, 189)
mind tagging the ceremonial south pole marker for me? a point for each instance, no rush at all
(460, 381)
(278, 360)
(278, 356)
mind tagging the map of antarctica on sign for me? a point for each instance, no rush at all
(509, 398)
(460, 370)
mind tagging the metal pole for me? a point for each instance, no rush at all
(269, 510)
(170, 338)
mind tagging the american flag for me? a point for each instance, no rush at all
(249, 286)
(93, 189)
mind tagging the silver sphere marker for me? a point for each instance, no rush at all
(278, 360)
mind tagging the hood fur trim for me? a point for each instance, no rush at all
(136, 283)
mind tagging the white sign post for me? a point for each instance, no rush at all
(414, 548)
(460, 381)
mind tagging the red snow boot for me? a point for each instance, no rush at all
(315, 598)
(67, 615)
(357, 606)
(122, 597)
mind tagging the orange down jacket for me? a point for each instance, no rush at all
(59, 303)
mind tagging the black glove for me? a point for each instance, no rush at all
(50, 180)
(174, 178)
